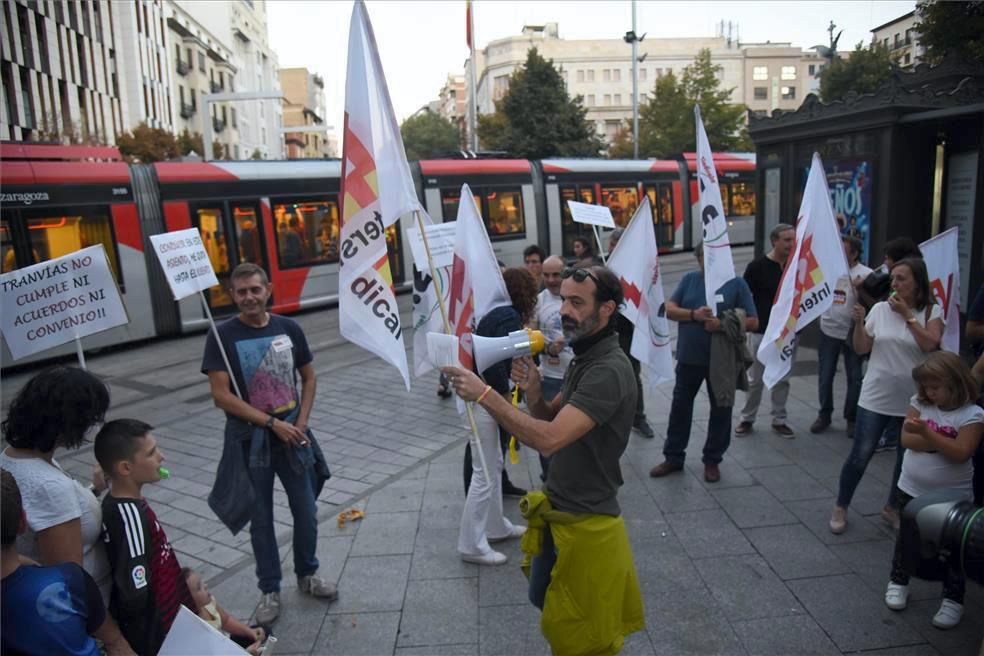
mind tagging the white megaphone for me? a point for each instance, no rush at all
(489, 350)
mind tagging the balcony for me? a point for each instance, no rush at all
(182, 67)
(214, 86)
(218, 125)
(187, 111)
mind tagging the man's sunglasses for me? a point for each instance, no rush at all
(580, 275)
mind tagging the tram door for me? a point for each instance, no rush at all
(661, 201)
(232, 234)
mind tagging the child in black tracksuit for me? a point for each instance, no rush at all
(148, 587)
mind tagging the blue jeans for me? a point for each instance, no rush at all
(688, 381)
(303, 507)
(541, 569)
(829, 351)
(869, 427)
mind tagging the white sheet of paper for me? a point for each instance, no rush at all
(443, 350)
(598, 215)
(440, 238)
(190, 635)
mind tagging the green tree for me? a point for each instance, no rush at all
(537, 118)
(952, 28)
(666, 120)
(146, 144)
(621, 146)
(863, 72)
(427, 135)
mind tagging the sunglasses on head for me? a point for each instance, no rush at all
(580, 275)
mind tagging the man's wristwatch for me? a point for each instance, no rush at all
(269, 424)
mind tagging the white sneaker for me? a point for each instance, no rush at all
(949, 614)
(516, 531)
(491, 558)
(896, 596)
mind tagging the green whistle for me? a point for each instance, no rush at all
(164, 473)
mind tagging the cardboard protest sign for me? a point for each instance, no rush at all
(190, 635)
(59, 300)
(599, 215)
(440, 238)
(185, 262)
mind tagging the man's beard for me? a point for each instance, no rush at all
(574, 330)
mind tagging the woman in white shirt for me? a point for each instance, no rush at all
(57, 408)
(898, 333)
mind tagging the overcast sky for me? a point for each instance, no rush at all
(421, 42)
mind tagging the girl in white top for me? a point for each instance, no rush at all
(55, 409)
(942, 430)
(898, 333)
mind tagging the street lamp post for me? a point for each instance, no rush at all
(208, 98)
(631, 38)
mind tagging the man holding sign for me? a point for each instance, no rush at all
(267, 430)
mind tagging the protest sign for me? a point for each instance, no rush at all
(599, 215)
(60, 300)
(184, 260)
(440, 238)
(190, 635)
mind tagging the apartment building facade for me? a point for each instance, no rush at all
(452, 104)
(304, 107)
(901, 38)
(762, 76)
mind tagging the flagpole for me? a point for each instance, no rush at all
(476, 444)
(218, 340)
(473, 95)
(601, 250)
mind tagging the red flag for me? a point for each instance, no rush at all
(468, 24)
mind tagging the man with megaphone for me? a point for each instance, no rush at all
(577, 549)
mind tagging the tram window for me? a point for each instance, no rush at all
(742, 199)
(622, 201)
(501, 209)
(661, 202)
(247, 235)
(209, 220)
(53, 235)
(307, 232)
(7, 247)
(570, 230)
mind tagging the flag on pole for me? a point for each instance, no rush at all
(468, 24)
(943, 266)
(376, 190)
(476, 282)
(636, 263)
(810, 273)
(719, 268)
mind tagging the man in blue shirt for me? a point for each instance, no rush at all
(688, 306)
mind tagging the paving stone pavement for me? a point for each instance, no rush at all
(744, 566)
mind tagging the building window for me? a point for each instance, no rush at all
(580, 75)
(618, 99)
(789, 93)
(642, 74)
(788, 72)
(908, 36)
(201, 62)
(607, 100)
(898, 40)
(760, 73)
(606, 75)
(617, 75)
(761, 93)
(907, 59)
(591, 75)
(591, 100)
(885, 42)
(500, 85)
(813, 69)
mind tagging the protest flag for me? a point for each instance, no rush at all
(810, 274)
(719, 267)
(943, 266)
(428, 296)
(476, 281)
(376, 190)
(635, 261)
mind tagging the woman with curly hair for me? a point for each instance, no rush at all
(482, 521)
(56, 408)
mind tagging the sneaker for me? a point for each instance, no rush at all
(644, 428)
(897, 596)
(820, 425)
(491, 558)
(664, 468)
(890, 516)
(885, 445)
(317, 587)
(743, 429)
(783, 430)
(516, 531)
(510, 490)
(949, 614)
(838, 520)
(269, 608)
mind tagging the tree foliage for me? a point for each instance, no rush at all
(621, 145)
(146, 144)
(427, 135)
(666, 120)
(863, 72)
(952, 28)
(537, 118)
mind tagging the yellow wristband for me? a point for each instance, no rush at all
(488, 388)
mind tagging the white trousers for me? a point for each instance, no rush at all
(483, 516)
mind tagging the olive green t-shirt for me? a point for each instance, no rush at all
(584, 476)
